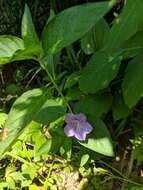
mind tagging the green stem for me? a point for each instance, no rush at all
(70, 56)
(48, 176)
(130, 166)
(128, 180)
(57, 88)
(21, 159)
(123, 177)
(114, 169)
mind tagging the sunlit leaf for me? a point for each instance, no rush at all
(9, 45)
(99, 140)
(32, 105)
(71, 24)
(28, 32)
(125, 25)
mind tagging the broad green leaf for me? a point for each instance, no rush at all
(133, 46)
(133, 81)
(94, 39)
(28, 30)
(49, 111)
(99, 72)
(3, 118)
(32, 52)
(95, 105)
(52, 14)
(30, 38)
(9, 45)
(71, 24)
(32, 105)
(99, 140)
(125, 25)
(74, 94)
(119, 108)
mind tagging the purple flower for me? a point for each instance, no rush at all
(77, 126)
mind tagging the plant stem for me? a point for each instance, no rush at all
(130, 166)
(123, 177)
(48, 176)
(114, 169)
(32, 78)
(128, 180)
(21, 159)
(57, 88)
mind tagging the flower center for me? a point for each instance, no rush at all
(76, 124)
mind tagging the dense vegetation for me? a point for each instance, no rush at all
(71, 87)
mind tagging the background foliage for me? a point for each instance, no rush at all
(79, 56)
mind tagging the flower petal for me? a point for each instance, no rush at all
(69, 130)
(69, 117)
(87, 127)
(80, 135)
(81, 117)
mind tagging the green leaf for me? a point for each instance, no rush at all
(125, 25)
(133, 81)
(31, 52)
(17, 176)
(84, 159)
(94, 39)
(119, 108)
(72, 80)
(3, 117)
(71, 24)
(99, 140)
(44, 149)
(99, 72)
(32, 105)
(59, 141)
(133, 46)
(66, 148)
(95, 105)
(3, 185)
(29, 170)
(30, 38)
(11, 183)
(9, 45)
(74, 94)
(49, 111)
(28, 30)
(33, 187)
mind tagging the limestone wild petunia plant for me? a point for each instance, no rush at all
(77, 126)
